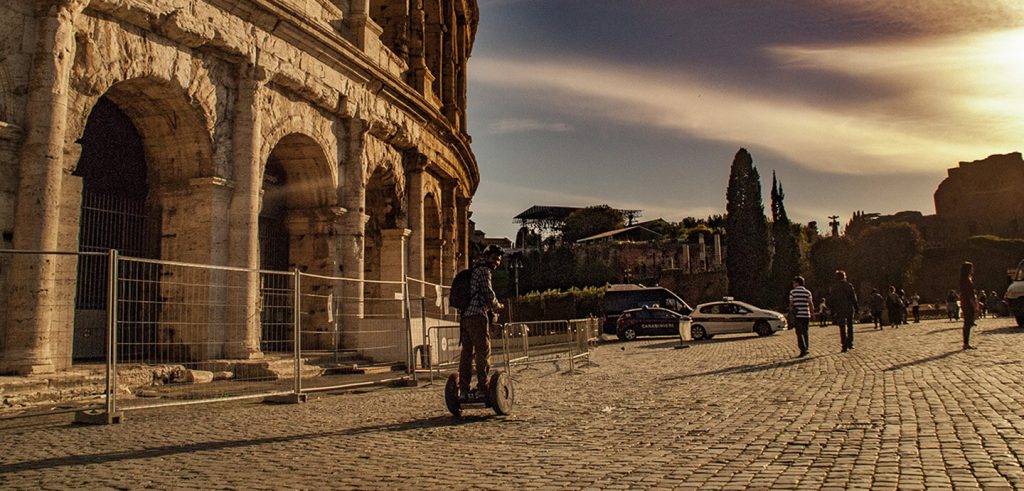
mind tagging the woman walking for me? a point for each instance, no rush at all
(968, 302)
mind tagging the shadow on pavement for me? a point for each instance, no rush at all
(667, 344)
(151, 453)
(753, 368)
(921, 361)
(1004, 330)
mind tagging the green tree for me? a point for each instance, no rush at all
(826, 256)
(890, 254)
(747, 255)
(786, 259)
(591, 221)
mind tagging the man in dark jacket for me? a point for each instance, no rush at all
(877, 306)
(894, 307)
(843, 302)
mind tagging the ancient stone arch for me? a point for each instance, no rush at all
(341, 90)
(432, 239)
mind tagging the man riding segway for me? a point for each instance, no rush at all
(480, 311)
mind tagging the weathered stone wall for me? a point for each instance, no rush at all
(984, 197)
(216, 90)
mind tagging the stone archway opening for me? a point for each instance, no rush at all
(116, 213)
(384, 211)
(296, 230)
(140, 146)
(433, 242)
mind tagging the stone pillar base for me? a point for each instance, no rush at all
(27, 368)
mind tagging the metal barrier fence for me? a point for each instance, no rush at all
(154, 333)
(524, 343)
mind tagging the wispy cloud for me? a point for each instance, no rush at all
(958, 98)
(523, 125)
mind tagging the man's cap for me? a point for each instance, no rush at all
(494, 249)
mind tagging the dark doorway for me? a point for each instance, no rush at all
(276, 290)
(115, 214)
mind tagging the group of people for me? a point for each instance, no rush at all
(988, 304)
(840, 306)
(895, 303)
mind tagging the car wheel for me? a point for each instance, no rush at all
(698, 332)
(763, 329)
(627, 334)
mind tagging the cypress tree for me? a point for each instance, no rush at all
(746, 232)
(786, 259)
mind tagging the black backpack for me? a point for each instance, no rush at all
(461, 293)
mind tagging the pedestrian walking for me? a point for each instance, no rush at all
(894, 307)
(823, 313)
(843, 302)
(953, 306)
(905, 311)
(475, 323)
(801, 307)
(968, 302)
(993, 303)
(982, 303)
(915, 307)
(877, 304)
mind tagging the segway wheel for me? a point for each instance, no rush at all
(502, 394)
(451, 395)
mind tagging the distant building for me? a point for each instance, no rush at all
(983, 197)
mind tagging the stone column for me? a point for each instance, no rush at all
(30, 293)
(243, 338)
(448, 60)
(448, 231)
(393, 265)
(197, 215)
(353, 223)
(314, 248)
(462, 232)
(718, 251)
(703, 253)
(415, 166)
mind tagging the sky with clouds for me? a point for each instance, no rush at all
(642, 104)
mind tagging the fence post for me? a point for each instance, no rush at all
(110, 415)
(572, 358)
(410, 368)
(425, 354)
(297, 330)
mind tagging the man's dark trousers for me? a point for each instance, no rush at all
(845, 330)
(476, 344)
(803, 340)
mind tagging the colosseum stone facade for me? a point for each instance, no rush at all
(324, 135)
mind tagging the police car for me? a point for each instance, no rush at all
(647, 321)
(730, 316)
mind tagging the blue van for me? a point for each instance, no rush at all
(622, 297)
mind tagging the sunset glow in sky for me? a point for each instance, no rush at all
(643, 103)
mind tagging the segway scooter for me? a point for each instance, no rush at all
(499, 396)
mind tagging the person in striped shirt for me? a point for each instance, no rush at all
(801, 308)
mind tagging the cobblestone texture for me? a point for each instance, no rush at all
(907, 409)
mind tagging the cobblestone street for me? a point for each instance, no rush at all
(905, 409)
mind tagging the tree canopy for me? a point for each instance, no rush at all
(890, 254)
(747, 253)
(590, 221)
(786, 257)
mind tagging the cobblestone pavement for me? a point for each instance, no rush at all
(906, 409)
